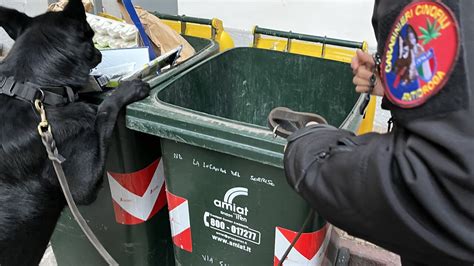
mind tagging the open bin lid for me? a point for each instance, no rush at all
(246, 140)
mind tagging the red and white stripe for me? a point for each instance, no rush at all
(138, 196)
(179, 220)
(309, 249)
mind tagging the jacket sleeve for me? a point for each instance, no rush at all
(410, 191)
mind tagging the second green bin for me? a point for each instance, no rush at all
(228, 197)
(129, 215)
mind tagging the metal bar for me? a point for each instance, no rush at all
(213, 33)
(288, 45)
(183, 27)
(309, 38)
(255, 39)
(323, 49)
(184, 18)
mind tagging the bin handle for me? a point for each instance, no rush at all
(213, 32)
(288, 44)
(306, 37)
(256, 36)
(323, 49)
(183, 18)
(216, 25)
(183, 26)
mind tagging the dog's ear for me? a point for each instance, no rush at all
(14, 22)
(75, 9)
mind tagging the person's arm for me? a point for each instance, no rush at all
(411, 190)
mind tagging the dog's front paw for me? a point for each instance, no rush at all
(133, 91)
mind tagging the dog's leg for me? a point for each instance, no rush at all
(108, 111)
(85, 163)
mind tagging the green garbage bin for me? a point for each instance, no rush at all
(228, 198)
(128, 215)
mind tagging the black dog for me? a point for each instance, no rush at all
(53, 49)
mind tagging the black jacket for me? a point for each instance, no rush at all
(410, 191)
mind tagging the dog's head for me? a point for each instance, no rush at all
(55, 48)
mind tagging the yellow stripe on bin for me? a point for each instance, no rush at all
(307, 48)
(204, 31)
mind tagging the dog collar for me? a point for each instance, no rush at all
(29, 92)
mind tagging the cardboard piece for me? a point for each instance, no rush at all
(59, 6)
(163, 37)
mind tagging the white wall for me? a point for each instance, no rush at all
(346, 19)
(163, 6)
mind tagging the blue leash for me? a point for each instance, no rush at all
(136, 20)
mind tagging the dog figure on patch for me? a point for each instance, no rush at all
(51, 51)
(413, 63)
(405, 66)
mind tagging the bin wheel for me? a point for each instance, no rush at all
(284, 121)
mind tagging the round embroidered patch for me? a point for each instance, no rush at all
(420, 53)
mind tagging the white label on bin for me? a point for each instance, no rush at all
(229, 224)
(179, 218)
(138, 196)
(228, 204)
(232, 228)
(180, 222)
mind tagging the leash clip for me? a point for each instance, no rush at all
(43, 125)
(275, 130)
(41, 95)
(372, 83)
(44, 129)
